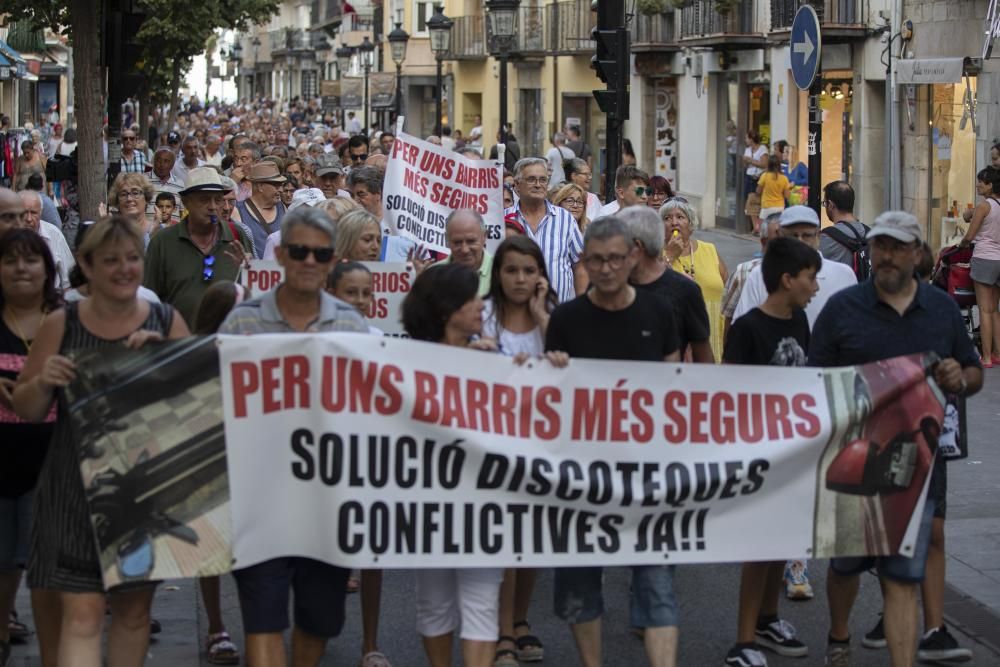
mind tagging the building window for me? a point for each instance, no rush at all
(422, 12)
(310, 88)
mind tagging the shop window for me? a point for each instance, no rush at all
(836, 101)
(952, 160)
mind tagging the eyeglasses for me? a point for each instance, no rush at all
(640, 191)
(573, 202)
(536, 180)
(131, 194)
(128, 138)
(585, 174)
(596, 262)
(206, 270)
(300, 252)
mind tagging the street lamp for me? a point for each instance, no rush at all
(397, 43)
(367, 49)
(439, 27)
(501, 16)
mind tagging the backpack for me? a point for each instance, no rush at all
(861, 260)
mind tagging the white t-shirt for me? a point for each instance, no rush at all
(556, 157)
(610, 208)
(594, 206)
(832, 277)
(756, 155)
(510, 343)
(61, 253)
(180, 170)
(476, 136)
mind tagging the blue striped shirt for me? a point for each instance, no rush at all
(561, 242)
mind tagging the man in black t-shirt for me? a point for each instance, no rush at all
(653, 275)
(613, 320)
(776, 333)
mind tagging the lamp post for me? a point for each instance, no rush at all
(502, 26)
(367, 49)
(343, 54)
(439, 27)
(255, 43)
(236, 57)
(397, 43)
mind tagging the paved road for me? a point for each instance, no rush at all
(707, 593)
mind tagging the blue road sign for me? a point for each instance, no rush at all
(806, 43)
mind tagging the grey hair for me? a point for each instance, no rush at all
(558, 138)
(684, 207)
(644, 226)
(307, 216)
(765, 224)
(464, 211)
(577, 164)
(253, 148)
(606, 228)
(526, 162)
(371, 177)
(228, 183)
(470, 153)
(37, 193)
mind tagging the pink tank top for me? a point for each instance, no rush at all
(988, 238)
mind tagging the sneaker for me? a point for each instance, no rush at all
(938, 644)
(779, 636)
(797, 586)
(747, 655)
(838, 655)
(875, 638)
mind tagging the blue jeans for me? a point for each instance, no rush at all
(579, 598)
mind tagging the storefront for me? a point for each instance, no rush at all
(743, 104)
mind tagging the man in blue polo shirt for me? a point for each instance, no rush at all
(889, 315)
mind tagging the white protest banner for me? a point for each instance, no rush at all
(391, 282)
(424, 183)
(380, 452)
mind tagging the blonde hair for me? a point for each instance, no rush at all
(350, 227)
(107, 231)
(338, 207)
(128, 179)
(564, 192)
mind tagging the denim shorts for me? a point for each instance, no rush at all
(579, 598)
(985, 271)
(897, 567)
(319, 591)
(15, 531)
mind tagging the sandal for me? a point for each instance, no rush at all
(18, 631)
(375, 659)
(529, 647)
(505, 657)
(221, 650)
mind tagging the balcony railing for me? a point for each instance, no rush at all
(569, 27)
(288, 39)
(530, 37)
(656, 31)
(468, 38)
(702, 19)
(354, 22)
(830, 12)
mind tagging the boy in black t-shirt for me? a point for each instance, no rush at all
(777, 334)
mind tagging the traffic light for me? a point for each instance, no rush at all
(611, 63)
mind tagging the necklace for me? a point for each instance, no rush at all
(690, 268)
(20, 332)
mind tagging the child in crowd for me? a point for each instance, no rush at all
(164, 212)
(351, 282)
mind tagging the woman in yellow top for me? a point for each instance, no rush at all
(774, 188)
(698, 260)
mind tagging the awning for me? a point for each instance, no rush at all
(929, 70)
(10, 53)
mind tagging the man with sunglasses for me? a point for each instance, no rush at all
(133, 161)
(357, 150)
(299, 304)
(631, 189)
(183, 260)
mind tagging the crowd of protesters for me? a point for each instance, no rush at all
(575, 277)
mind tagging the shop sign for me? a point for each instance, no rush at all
(929, 70)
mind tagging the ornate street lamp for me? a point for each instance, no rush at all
(367, 50)
(501, 17)
(397, 44)
(439, 27)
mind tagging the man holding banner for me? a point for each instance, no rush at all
(892, 314)
(298, 304)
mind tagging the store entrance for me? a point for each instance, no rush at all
(744, 104)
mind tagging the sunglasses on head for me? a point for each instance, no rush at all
(300, 252)
(679, 200)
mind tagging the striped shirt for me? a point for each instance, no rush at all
(137, 165)
(262, 315)
(561, 242)
(734, 287)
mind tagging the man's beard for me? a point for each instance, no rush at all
(891, 280)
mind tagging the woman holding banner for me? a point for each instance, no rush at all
(64, 567)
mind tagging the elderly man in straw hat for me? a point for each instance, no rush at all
(262, 211)
(183, 260)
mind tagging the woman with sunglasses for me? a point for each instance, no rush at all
(697, 259)
(580, 173)
(573, 198)
(130, 196)
(64, 565)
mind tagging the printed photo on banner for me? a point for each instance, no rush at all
(153, 459)
(424, 183)
(390, 283)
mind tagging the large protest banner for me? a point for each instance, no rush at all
(390, 453)
(424, 183)
(391, 282)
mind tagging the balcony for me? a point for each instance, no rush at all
(290, 41)
(569, 27)
(701, 24)
(468, 38)
(839, 19)
(530, 39)
(655, 33)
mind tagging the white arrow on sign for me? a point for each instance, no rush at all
(806, 48)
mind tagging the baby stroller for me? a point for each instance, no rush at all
(951, 273)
